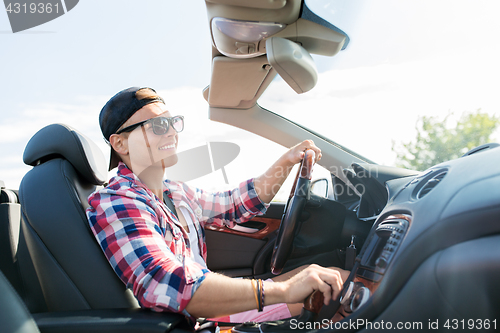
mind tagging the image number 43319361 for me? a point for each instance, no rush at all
(26, 14)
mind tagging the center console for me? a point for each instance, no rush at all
(376, 256)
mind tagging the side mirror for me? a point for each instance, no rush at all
(293, 63)
(320, 187)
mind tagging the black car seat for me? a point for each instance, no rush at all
(14, 316)
(10, 222)
(73, 272)
(15, 261)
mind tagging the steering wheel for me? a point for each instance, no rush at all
(289, 221)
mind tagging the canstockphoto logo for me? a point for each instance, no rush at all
(202, 160)
(26, 14)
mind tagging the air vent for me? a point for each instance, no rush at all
(430, 184)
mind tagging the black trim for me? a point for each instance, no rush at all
(308, 14)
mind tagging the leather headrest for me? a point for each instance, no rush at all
(59, 140)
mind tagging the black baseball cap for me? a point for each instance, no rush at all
(120, 108)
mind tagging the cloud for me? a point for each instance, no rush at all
(366, 108)
(82, 114)
(362, 108)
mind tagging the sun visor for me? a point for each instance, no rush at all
(238, 83)
(293, 63)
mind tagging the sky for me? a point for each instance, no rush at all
(406, 59)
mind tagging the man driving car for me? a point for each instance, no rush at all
(158, 251)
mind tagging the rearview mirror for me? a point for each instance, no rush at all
(293, 63)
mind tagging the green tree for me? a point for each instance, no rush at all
(442, 140)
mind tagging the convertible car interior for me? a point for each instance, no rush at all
(422, 247)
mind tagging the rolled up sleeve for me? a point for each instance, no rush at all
(226, 207)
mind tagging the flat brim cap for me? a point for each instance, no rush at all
(118, 110)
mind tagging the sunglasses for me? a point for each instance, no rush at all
(159, 125)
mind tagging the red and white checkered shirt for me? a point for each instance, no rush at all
(147, 246)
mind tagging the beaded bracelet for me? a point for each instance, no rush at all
(261, 294)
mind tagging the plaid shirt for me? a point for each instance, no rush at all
(147, 246)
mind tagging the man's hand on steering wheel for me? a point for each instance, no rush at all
(268, 184)
(296, 203)
(296, 153)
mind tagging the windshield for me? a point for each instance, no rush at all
(405, 60)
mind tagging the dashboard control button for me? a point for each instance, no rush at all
(360, 298)
(381, 262)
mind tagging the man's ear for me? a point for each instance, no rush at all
(119, 144)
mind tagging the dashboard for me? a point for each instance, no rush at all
(435, 235)
(431, 259)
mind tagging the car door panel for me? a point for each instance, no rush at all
(238, 253)
(234, 252)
